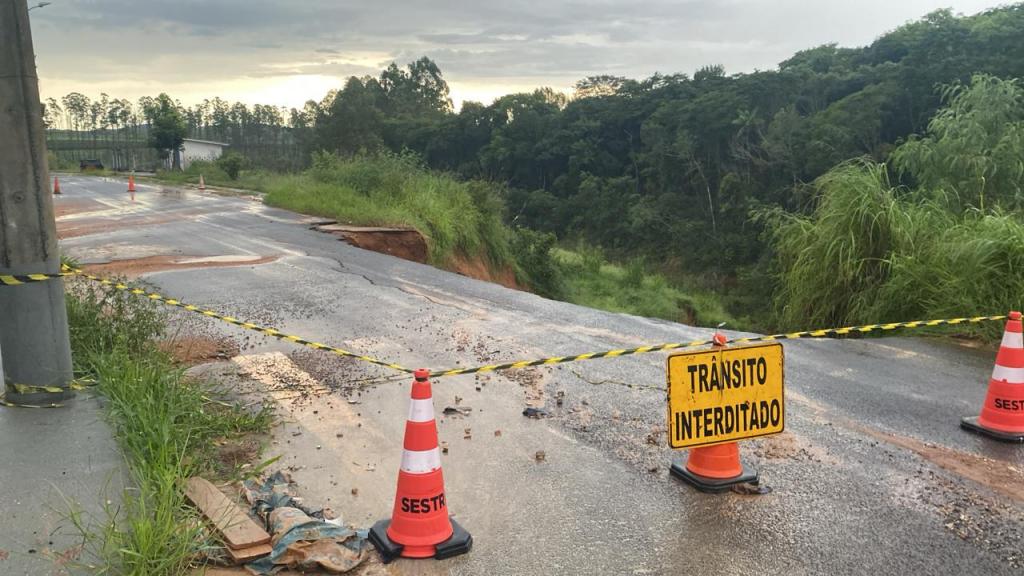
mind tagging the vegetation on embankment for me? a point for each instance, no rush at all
(167, 426)
(590, 280)
(397, 190)
(949, 244)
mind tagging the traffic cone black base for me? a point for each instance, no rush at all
(460, 542)
(712, 485)
(971, 425)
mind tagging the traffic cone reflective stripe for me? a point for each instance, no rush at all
(1002, 414)
(419, 526)
(56, 186)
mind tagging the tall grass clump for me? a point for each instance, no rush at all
(873, 253)
(458, 218)
(165, 424)
(950, 243)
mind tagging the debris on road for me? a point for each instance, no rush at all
(302, 538)
(457, 411)
(245, 539)
(469, 434)
(751, 489)
(540, 456)
(531, 412)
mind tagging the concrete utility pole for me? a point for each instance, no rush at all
(33, 320)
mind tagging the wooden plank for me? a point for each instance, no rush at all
(243, 555)
(237, 528)
(218, 571)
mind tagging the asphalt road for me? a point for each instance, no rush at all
(872, 476)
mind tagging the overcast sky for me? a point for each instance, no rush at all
(286, 52)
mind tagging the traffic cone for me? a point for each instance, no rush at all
(131, 182)
(714, 468)
(1002, 414)
(419, 526)
(56, 186)
(202, 184)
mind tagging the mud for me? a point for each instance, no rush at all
(68, 206)
(1001, 477)
(476, 268)
(89, 226)
(410, 244)
(404, 243)
(192, 350)
(138, 266)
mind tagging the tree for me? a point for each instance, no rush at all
(973, 152)
(167, 129)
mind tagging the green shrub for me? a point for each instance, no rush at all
(537, 267)
(231, 163)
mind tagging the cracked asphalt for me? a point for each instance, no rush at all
(872, 476)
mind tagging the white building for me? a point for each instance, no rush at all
(192, 150)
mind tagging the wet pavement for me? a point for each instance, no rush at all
(872, 476)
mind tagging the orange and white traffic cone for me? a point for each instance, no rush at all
(419, 526)
(202, 184)
(131, 183)
(56, 186)
(714, 468)
(1002, 414)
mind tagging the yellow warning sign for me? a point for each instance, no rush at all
(725, 394)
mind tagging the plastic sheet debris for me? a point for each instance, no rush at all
(301, 538)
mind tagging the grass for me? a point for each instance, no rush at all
(397, 190)
(588, 279)
(165, 424)
(872, 252)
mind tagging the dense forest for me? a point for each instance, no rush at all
(717, 180)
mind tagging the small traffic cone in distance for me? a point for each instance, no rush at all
(202, 183)
(56, 186)
(419, 526)
(131, 182)
(1002, 414)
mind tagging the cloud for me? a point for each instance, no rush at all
(215, 43)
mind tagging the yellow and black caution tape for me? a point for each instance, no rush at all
(822, 333)
(51, 396)
(19, 279)
(240, 323)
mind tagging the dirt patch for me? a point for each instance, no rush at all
(1002, 477)
(138, 266)
(236, 452)
(68, 206)
(476, 268)
(198, 349)
(404, 243)
(410, 244)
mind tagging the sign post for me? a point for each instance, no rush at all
(719, 396)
